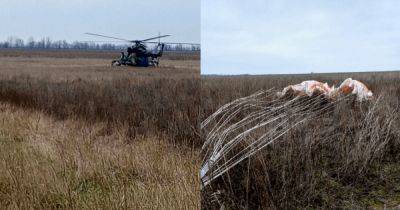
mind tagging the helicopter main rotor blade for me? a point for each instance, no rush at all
(100, 35)
(143, 41)
(157, 37)
(175, 43)
(182, 43)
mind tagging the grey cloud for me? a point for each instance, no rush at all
(300, 36)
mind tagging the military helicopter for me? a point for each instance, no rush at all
(138, 54)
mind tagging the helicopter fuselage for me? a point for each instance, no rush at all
(139, 56)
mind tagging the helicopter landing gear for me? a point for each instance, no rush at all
(115, 63)
(122, 62)
(154, 62)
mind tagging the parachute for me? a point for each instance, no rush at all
(312, 87)
(350, 86)
(240, 129)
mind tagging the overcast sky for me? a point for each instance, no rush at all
(70, 19)
(283, 36)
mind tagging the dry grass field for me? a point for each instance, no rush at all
(77, 133)
(345, 158)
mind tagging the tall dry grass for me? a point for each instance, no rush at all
(78, 134)
(347, 158)
(158, 106)
(51, 164)
(150, 101)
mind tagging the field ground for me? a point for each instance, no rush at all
(91, 65)
(77, 133)
(347, 159)
(46, 163)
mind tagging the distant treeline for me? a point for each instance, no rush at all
(47, 43)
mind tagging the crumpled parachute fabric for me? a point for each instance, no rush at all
(348, 86)
(240, 129)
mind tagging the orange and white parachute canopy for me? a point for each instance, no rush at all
(351, 86)
(309, 88)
